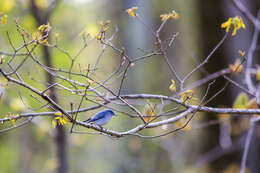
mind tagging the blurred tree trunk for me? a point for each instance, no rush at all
(43, 17)
(212, 15)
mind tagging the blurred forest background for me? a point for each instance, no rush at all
(31, 148)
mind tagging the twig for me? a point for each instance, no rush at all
(246, 148)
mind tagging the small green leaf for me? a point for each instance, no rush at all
(241, 101)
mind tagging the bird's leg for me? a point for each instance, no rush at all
(102, 128)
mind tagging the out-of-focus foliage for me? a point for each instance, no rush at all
(241, 101)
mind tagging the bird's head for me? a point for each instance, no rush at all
(110, 112)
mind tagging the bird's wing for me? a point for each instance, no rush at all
(96, 117)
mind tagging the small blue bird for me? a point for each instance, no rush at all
(101, 118)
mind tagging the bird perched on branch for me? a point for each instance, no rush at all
(101, 118)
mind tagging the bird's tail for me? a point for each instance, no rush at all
(87, 121)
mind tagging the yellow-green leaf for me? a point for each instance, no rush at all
(172, 87)
(58, 113)
(13, 122)
(54, 123)
(131, 11)
(258, 74)
(4, 19)
(149, 111)
(241, 101)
